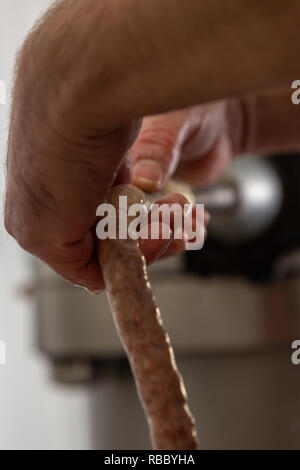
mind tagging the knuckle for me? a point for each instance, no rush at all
(162, 137)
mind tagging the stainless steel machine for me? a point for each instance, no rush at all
(232, 311)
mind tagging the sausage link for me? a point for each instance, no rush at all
(148, 347)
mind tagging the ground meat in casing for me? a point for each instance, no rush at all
(150, 354)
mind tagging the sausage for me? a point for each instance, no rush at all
(148, 347)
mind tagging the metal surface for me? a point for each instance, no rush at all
(200, 315)
(240, 401)
(245, 201)
(219, 198)
(233, 347)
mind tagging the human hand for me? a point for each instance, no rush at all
(196, 144)
(76, 105)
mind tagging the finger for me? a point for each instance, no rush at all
(207, 168)
(156, 152)
(154, 249)
(178, 246)
(124, 172)
(89, 274)
(75, 262)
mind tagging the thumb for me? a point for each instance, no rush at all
(156, 152)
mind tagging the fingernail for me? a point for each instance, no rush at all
(95, 291)
(177, 247)
(163, 249)
(148, 175)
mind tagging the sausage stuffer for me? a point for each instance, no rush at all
(243, 203)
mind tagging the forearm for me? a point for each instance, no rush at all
(119, 59)
(199, 51)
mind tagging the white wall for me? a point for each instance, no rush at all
(34, 413)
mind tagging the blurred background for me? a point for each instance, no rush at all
(232, 311)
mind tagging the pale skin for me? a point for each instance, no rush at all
(90, 70)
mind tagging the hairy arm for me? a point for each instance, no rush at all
(85, 75)
(126, 58)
